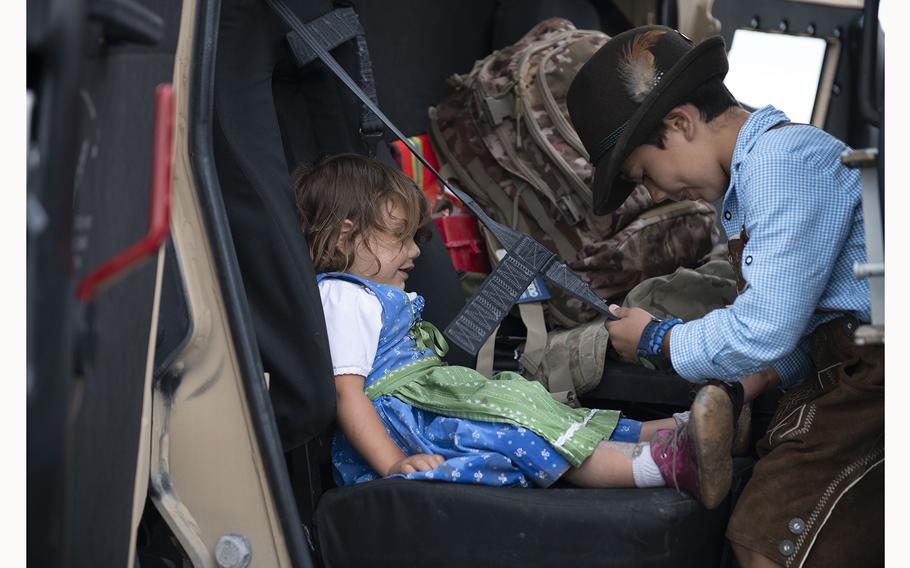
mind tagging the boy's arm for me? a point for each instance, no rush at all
(795, 367)
(787, 372)
(798, 218)
(361, 426)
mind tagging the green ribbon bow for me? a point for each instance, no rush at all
(427, 335)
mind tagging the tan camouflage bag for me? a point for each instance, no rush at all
(574, 359)
(505, 138)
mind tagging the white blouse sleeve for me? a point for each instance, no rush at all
(353, 321)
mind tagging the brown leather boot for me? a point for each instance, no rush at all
(696, 456)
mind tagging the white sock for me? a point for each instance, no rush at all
(644, 471)
(681, 418)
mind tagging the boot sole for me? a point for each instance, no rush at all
(710, 427)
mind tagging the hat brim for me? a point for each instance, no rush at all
(707, 60)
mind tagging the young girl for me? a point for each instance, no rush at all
(404, 412)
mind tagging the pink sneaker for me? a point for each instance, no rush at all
(696, 456)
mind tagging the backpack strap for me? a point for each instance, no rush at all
(485, 355)
(331, 30)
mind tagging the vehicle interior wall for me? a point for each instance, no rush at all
(111, 212)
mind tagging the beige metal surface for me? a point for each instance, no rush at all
(696, 20)
(207, 477)
(145, 421)
(826, 83)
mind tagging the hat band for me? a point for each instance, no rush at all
(607, 142)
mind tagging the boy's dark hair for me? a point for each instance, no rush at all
(355, 188)
(711, 99)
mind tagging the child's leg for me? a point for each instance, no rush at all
(649, 428)
(609, 466)
(695, 457)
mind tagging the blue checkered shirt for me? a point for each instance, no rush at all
(801, 209)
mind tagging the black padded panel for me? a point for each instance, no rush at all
(514, 18)
(416, 45)
(398, 522)
(277, 273)
(111, 204)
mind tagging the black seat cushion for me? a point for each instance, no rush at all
(413, 523)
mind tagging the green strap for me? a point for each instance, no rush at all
(427, 335)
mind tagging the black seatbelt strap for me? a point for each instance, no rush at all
(331, 30)
(525, 257)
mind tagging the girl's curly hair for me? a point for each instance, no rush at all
(361, 190)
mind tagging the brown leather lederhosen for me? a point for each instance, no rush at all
(816, 497)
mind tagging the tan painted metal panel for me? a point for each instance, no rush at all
(207, 475)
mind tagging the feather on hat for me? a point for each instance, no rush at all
(636, 66)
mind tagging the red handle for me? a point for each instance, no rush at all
(159, 203)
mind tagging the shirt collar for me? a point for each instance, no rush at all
(757, 124)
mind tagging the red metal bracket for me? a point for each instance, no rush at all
(159, 203)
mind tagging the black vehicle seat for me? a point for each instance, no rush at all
(270, 115)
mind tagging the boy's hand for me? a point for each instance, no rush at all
(626, 332)
(417, 462)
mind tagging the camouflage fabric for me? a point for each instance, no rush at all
(574, 360)
(686, 294)
(504, 137)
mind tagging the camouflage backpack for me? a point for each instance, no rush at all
(505, 138)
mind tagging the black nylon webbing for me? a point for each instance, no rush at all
(498, 293)
(331, 30)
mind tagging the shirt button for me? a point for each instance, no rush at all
(728, 215)
(797, 526)
(748, 260)
(786, 547)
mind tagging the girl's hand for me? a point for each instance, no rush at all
(417, 462)
(626, 332)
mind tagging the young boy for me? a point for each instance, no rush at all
(651, 108)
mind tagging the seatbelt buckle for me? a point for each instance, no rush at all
(371, 139)
(537, 291)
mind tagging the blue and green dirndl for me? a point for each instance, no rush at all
(505, 431)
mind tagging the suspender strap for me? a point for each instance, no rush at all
(331, 30)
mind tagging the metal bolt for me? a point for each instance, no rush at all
(754, 22)
(783, 25)
(233, 551)
(810, 29)
(835, 89)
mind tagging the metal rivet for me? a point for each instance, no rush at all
(835, 89)
(748, 260)
(810, 29)
(786, 547)
(836, 32)
(728, 215)
(783, 25)
(797, 526)
(233, 551)
(663, 455)
(754, 22)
